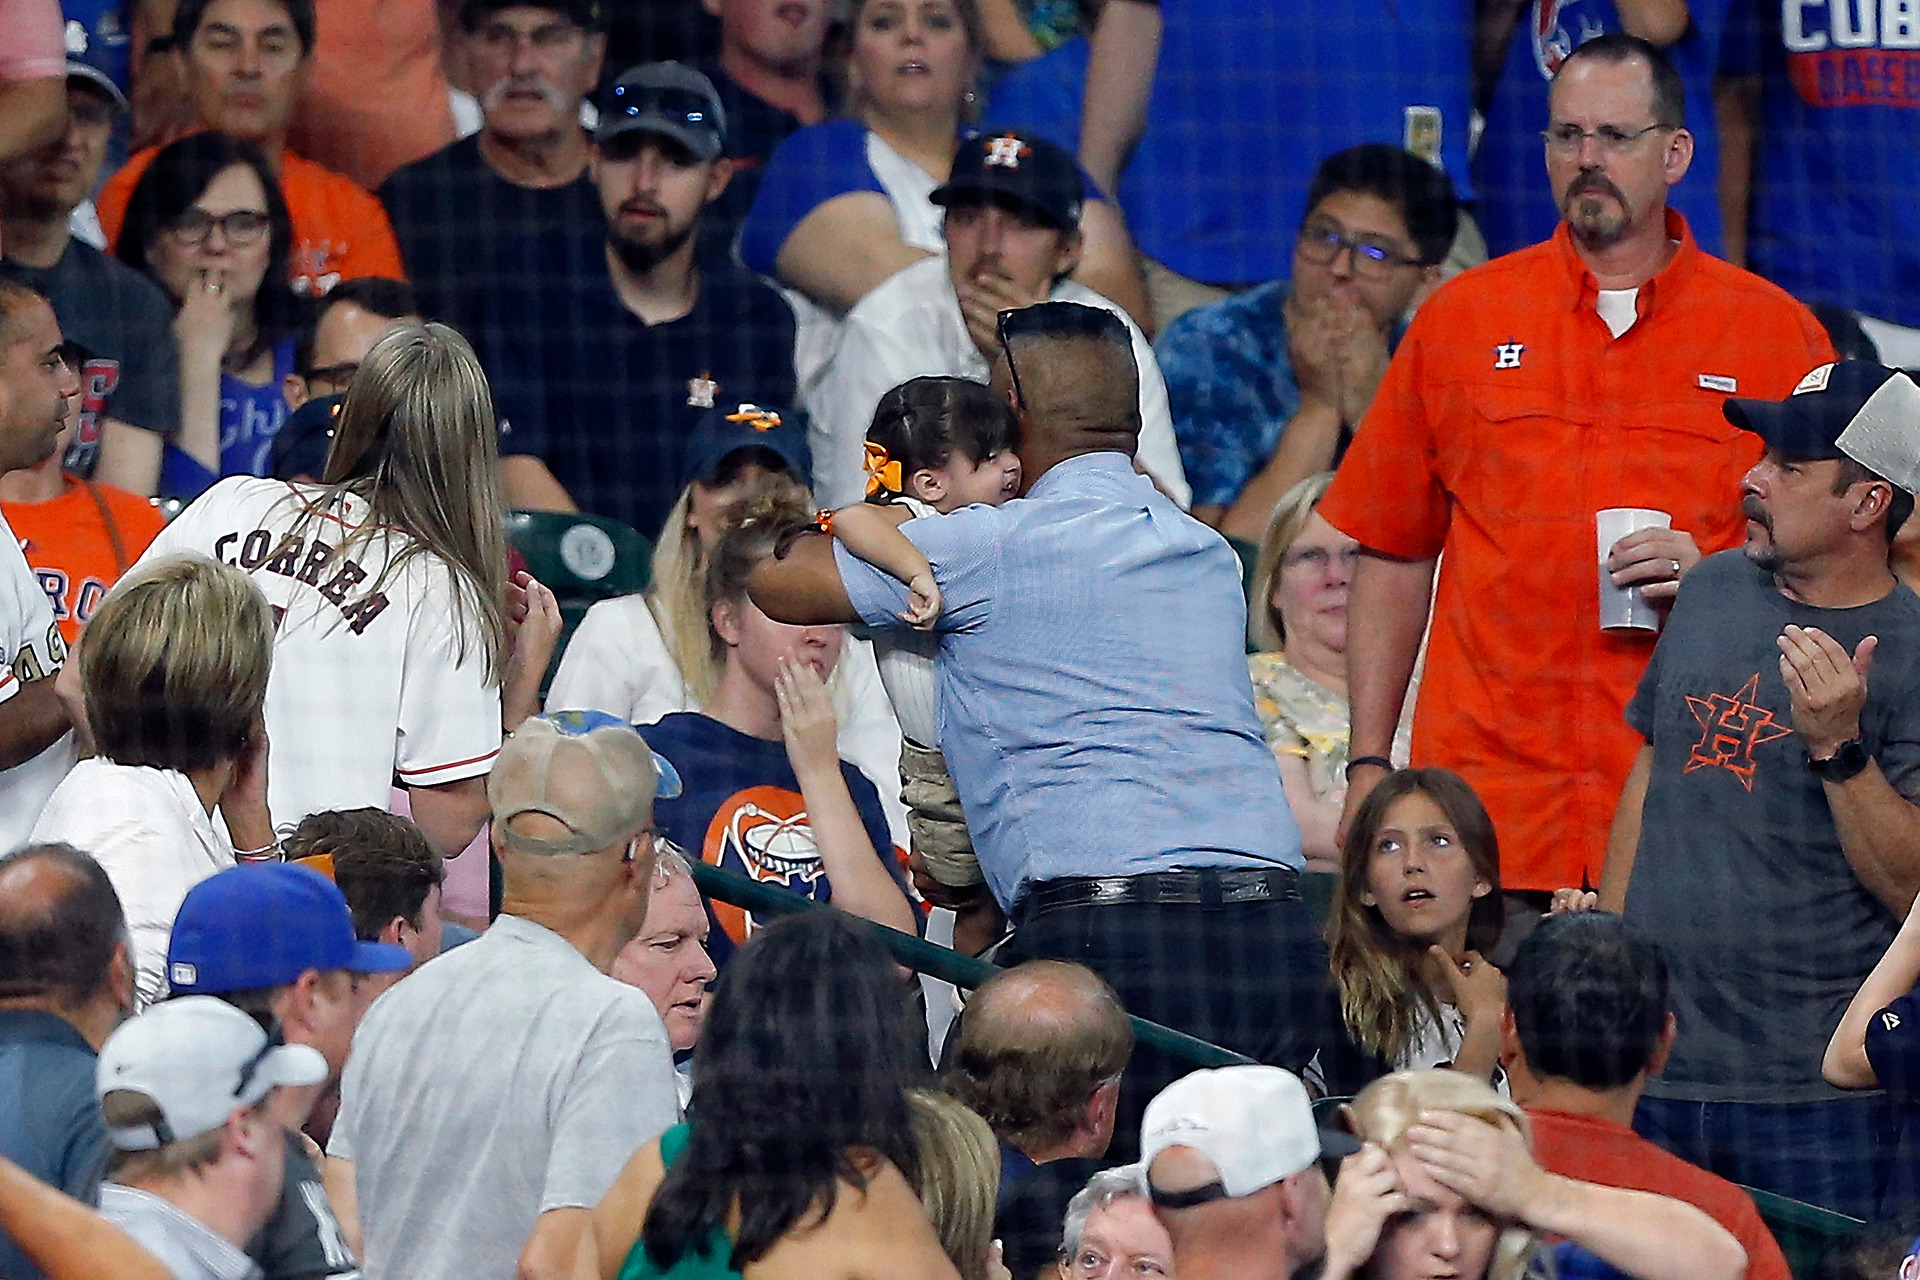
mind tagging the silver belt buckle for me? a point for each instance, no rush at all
(1111, 889)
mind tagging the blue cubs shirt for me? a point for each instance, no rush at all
(1836, 200)
(1516, 206)
(740, 808)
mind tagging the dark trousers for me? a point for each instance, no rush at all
(1837, 1154)
(1248, 976)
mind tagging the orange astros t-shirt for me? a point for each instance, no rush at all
(69, 549)
(1509, 417)
(340, 231)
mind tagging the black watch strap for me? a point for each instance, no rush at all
(1845, 764)
(1379, 762)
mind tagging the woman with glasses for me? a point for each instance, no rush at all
(843, 205)
(208, 223)
(1297, 629)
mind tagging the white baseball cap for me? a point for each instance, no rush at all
(199, 1059)
(1255, 1123)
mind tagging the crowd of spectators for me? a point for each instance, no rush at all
(1204, 506)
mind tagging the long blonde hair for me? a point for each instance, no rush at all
(677, 595)
(958, 1179)
(1265, 632)
(1383, 997)
(415, 440)
(1391, 1105)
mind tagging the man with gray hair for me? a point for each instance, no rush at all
(1110, 1232)
(668, 958)
(493, 1097)
(66, 980)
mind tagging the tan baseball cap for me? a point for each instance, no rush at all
(585, 769)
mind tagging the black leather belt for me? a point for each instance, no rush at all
(1205, 886)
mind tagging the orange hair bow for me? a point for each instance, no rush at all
(883, 473)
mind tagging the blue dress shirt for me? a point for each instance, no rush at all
(1095, 707)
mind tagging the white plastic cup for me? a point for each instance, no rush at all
(1625, 608)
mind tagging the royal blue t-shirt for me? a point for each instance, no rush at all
(1516, 207)
(1044, 96)
(1249, 98)
(250, 417)
(1836, 186)
(740, 808)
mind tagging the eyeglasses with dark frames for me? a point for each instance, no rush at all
(241, 227)
(1322, 243)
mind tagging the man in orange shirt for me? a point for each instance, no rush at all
(246, 62)
(1587, 1023)
(1528, 394)
(78, 536)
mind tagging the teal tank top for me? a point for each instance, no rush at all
(710, 1263)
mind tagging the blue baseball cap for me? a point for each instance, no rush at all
(263, 925)
(725, 430)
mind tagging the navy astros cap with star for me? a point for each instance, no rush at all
(1023, 169)
(726, 429)
(1852, 409)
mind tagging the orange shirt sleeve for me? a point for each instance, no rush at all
(372, 249)
(1387, 493)
(112, 200)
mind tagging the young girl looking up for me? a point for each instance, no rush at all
(936, 445)
(1416, 907)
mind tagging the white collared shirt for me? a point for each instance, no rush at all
(910, 327)
(149, 830)
(184, 1245)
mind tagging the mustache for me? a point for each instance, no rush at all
(648, 207)
(497, 92)
(1594, 180)
(1750, 508)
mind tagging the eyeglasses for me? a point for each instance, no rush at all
(1317, 560)
(1005, 323)
(1568, 139)
(240, 228)
(333, 375)
(1321, 243)
(548, 35)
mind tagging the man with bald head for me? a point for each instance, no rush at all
(1096, 713)
(1038, 1057)
(65, 983)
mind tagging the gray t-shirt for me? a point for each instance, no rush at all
(501, 1080)
(1740, 875)
(185, 1246)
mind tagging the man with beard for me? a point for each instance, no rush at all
(1776, 784)
(1529, 394)
(468, 217)
(602, 372)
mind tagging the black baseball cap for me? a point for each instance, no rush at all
(725, 430)
(1028, 170)
(1852, 409)
(584, 14)
(669, 99)
(300, 446)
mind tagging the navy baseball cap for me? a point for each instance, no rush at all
(1853, 409)
(300, 446)
(669, 99)
(263, 925)
(1024, 169)
(724, 431)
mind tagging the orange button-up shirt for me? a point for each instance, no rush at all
(1508, 418)
(340, 231)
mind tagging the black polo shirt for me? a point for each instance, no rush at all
(607, 400)
(50, 1121)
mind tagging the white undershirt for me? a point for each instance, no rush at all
(1616, 307)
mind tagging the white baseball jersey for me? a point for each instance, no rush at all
(911, 327)
(367, 686)
(31, 648)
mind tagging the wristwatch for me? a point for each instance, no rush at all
(1845, 764)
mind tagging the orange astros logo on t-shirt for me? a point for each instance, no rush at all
(762, 832)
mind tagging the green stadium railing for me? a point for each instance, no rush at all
(1808, 1234)
(963, 971)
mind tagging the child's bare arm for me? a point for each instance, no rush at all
(873, 534)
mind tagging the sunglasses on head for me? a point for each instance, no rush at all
(682, 106)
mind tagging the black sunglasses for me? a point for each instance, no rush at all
(683, 106)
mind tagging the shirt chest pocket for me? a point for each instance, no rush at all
(1521, 458)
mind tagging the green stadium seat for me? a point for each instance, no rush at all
(582, 559)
